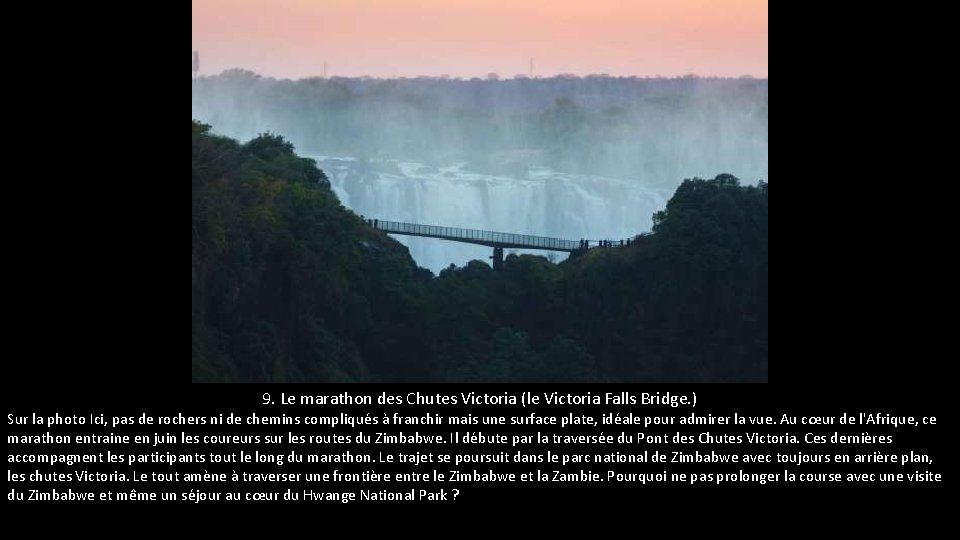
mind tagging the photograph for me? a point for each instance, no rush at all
(473, 258)
(420, 191)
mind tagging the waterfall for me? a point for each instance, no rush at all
(585, 158)
(542, 203)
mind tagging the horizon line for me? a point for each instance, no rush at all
(486, 77)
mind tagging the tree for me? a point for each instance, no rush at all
(268, 146)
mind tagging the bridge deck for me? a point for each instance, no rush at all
(473, 236)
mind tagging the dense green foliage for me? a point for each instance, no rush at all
(290, 286)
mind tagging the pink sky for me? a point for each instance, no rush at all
(467, 38)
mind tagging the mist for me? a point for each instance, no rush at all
(571, 157)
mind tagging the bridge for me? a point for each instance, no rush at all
(497, 240)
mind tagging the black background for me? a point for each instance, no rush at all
(96, 227)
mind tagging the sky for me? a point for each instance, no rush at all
(471, 38)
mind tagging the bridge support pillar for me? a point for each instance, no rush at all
(497, 258)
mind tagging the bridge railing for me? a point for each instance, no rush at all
(478, 236)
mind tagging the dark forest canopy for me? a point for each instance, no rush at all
(288, 285)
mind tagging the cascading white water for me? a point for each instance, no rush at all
(544, 203)
(645, 136)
